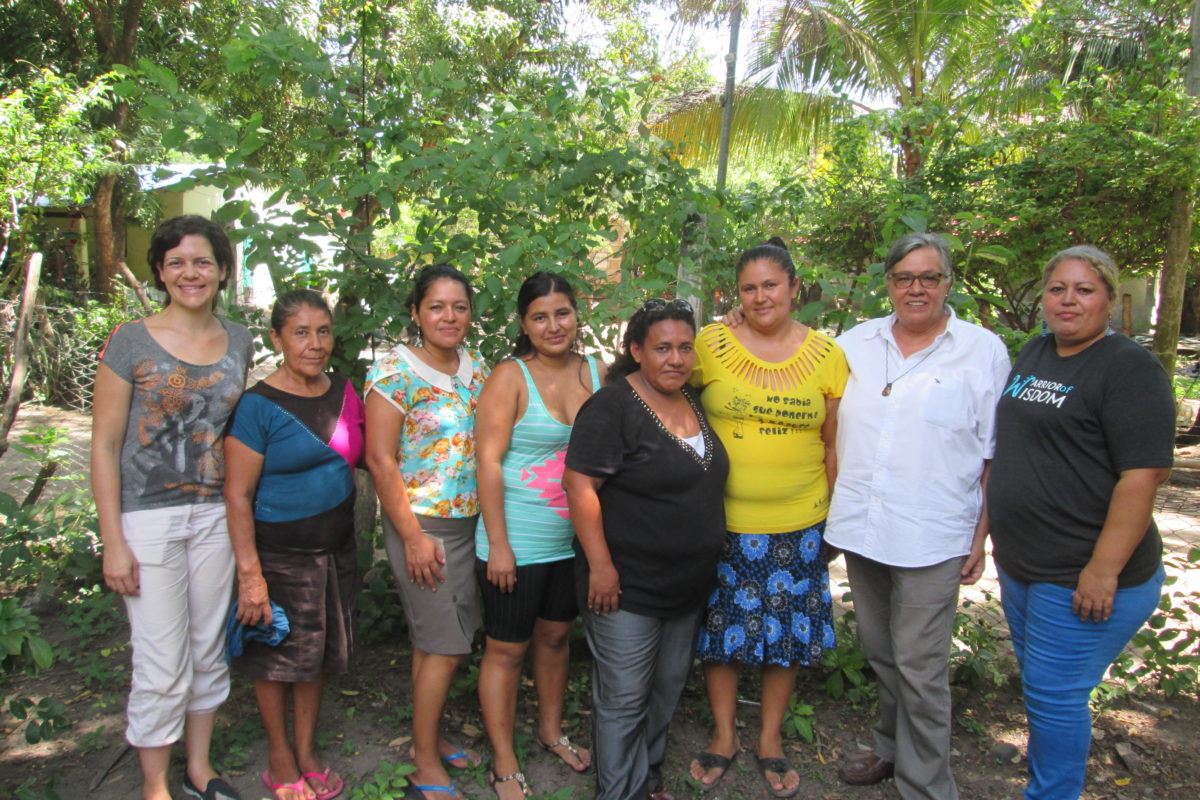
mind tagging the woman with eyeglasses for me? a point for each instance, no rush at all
(770, 386)
(1085, 435)
(524, 559)
(916, 432)
(644, 477)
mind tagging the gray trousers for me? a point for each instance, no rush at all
(640, 665)
(905, 621)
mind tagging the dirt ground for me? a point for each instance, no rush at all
(1143, 748)
(364, 724)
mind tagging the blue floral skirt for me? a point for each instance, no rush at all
(772, 604)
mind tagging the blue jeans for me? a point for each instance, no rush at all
(1062, 660)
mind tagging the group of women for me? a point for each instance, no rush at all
(685, 507)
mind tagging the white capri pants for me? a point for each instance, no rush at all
(177, 622)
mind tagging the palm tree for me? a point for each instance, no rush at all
(817, 60)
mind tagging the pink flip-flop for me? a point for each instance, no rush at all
(298, 785)
(330, 792)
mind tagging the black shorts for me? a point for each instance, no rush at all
(543, 591)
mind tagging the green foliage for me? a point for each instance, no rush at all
(388, 782)
(34, 789)
(21, 646)
(1165, 653)
(232, 743)
(799, 720)
(542, 178)
(49, 717)
(52, 541)
(847, 665)
(22, 649)
(48, 150)
(1187, 387)
(379, 616)
(466, 681)
(978, 660)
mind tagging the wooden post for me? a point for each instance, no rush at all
(1126, 314)
(20, 367)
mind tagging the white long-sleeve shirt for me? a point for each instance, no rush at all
(909, 463)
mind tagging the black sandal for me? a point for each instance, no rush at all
(519, 777)
(780, 767)
(708, 760)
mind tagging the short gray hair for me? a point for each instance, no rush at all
(1101, 263)
(915, 241)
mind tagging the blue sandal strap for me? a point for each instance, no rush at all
(431, 787)
(456, 756)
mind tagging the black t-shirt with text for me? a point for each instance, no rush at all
(1066, 427)
(663, 505)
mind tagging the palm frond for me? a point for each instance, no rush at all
(809, 46)
(767, 122)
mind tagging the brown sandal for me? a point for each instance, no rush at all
(519, 777)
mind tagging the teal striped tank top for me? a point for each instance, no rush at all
(535, 506)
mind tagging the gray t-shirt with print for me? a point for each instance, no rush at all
(172, 454)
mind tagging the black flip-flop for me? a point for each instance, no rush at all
(781, 767)
(708, 761)
(217, 789)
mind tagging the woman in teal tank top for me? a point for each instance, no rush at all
(524, 559)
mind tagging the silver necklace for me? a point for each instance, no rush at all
(887, 359)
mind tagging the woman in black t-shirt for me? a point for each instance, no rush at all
(1084, 436)
(644, 480)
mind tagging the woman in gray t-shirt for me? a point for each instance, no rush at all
(164, 390)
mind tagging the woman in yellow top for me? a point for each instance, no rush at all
(770, 389)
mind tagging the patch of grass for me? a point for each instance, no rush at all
(387, 783)
(1187, 387)
(231, 743)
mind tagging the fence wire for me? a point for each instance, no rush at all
(65, 343)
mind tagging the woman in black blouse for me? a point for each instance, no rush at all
(644, 481)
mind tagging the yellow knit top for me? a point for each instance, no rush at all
(769, 417)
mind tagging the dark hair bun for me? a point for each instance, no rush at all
(775, 241)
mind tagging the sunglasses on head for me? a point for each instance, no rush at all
(659, 304)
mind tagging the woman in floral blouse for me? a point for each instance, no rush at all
(420, 401)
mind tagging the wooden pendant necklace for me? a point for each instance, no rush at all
(887, 359)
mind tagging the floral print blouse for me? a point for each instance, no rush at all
(436, 450)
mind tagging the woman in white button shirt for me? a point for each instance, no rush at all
(915, 435)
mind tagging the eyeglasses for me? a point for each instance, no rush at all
(659, 304)
(929, 280)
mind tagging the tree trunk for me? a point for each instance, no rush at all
(910, 152)
(104, 263)
(20, 367)
(1173, 280)
(735, 24)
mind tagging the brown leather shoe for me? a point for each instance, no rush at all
(866, 770)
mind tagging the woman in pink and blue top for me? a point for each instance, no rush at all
(420, 401)
(524, 558)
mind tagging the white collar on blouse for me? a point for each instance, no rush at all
(435, 377)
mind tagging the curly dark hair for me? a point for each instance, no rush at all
(170, 233)
(655, 310)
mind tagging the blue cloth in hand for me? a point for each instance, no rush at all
(237, 634)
